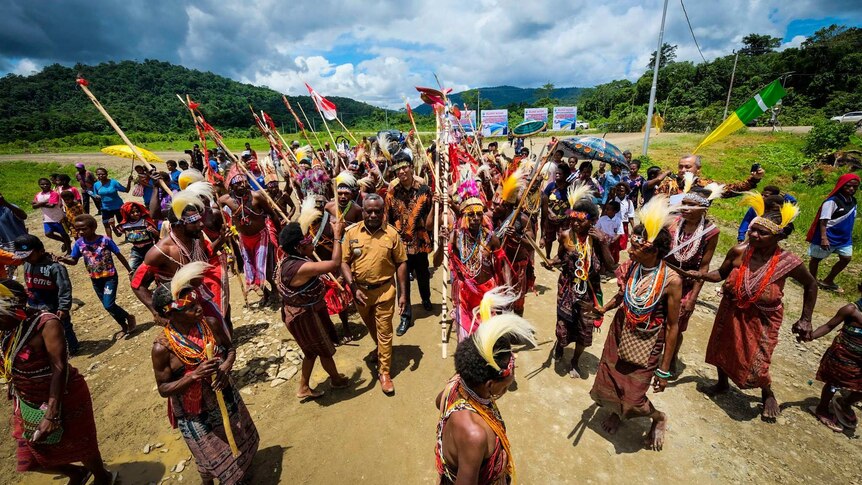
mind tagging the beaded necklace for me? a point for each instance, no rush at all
(750, 286)
(195, 254)
(643, 293)
(343, 213)
(473, 261)
(584, 252)
(184, 348)
(12, 343)
(685, 245)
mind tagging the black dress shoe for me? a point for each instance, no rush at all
(403, 326)
(426, 304)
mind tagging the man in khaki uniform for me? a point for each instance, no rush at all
(373, 257)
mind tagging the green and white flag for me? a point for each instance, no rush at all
(754, 107)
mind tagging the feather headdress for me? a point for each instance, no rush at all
(577, 192)
(688, 182)
(202, 190)
(182, 200)
(469, 194)
(267, 167)
(497, 327)
(495, 300)
(188, 177)
(755, 200)
(185, 275)
(789, 211)
(308, 213)
(7, 301)
(512, 186)
(715, 190)
(655, 215)
(347, 179)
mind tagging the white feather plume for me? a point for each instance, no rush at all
(184, 277)
(497, 327)
(715, 190)
(308, 213)
(202, 189)
(688, 181)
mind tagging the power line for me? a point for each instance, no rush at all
(691, 30)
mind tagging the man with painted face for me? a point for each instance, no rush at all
(253, 218)
(184, 244)
(517, 267)
(373, 257)
(554, 207)
(691, 164)
(408, 209)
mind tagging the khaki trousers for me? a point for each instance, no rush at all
(377, 315)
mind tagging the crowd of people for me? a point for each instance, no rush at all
(320, 233)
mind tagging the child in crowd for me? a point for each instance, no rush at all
(64, 183)
(52, 213)
(841, 368)
(98, 259)
(627, 211)
(74, 208)
(140, 230)
(651, 182)
(48, 284)
(611, 225)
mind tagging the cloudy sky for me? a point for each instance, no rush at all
(377, 50)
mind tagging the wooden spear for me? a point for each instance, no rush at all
(301, 128)
(84, 83)
(225, 418)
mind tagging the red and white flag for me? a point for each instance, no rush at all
(325, 106)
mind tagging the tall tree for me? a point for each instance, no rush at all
(757, 45)
(668, 55)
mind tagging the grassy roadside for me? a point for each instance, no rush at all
(19, 181)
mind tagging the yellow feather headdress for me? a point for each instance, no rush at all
(184, 277)
(688, 181)
(188, 177)
(655, 215)
(495, 300)
(512, 186)
(7, 301)
(308, 213)
(755, 200)
(789, 211)
(497, 327)
(182, 199)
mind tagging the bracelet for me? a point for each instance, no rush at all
(662, 374)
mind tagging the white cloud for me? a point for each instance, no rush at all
(796, 41)
(25, 67)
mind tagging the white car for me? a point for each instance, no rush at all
(582, 124)
(854, 117)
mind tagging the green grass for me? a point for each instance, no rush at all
(786, 167)
(19, 181)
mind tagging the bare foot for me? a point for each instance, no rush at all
(131, 323)
(308, 393)
(770, 408)
(826, 419)
(611, 424)
(575, 372)
(719, 388)
(655, 438)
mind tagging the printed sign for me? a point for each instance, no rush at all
(468, 120)
(565, 117)
(495, 122)
(540, 114)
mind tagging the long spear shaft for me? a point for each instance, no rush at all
(223, 409)
(83, 83)
(301, 128)
(305, 117)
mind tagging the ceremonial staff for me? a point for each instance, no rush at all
(84, 83)
(225, 418)
(536, 176)
(443, 164)
(188, 103)
(305, 117)
(301, 128)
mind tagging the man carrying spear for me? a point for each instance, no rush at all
(253, 218)
(515, 230)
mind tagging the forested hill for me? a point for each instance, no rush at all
(141, 97)
(511, 97)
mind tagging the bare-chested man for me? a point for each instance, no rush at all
(184, 244)
(253, 219)
(518, 270)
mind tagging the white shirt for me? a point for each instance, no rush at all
(627, 209)
(611, 227)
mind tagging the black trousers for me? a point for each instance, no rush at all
(418, 265)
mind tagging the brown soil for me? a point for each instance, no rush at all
(360, 435)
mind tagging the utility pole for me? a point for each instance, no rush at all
(730, 88)
(654, 80)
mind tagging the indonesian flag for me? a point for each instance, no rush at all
(325, 106)
(754, 107)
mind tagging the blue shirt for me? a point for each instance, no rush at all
(213, 165)
(110, 194)
(10, 226)
(148, 193)
(175, 180)
(608, 181)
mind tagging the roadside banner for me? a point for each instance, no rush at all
(468, 120)
(565, 118)
(540, 114)
(495, 122)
